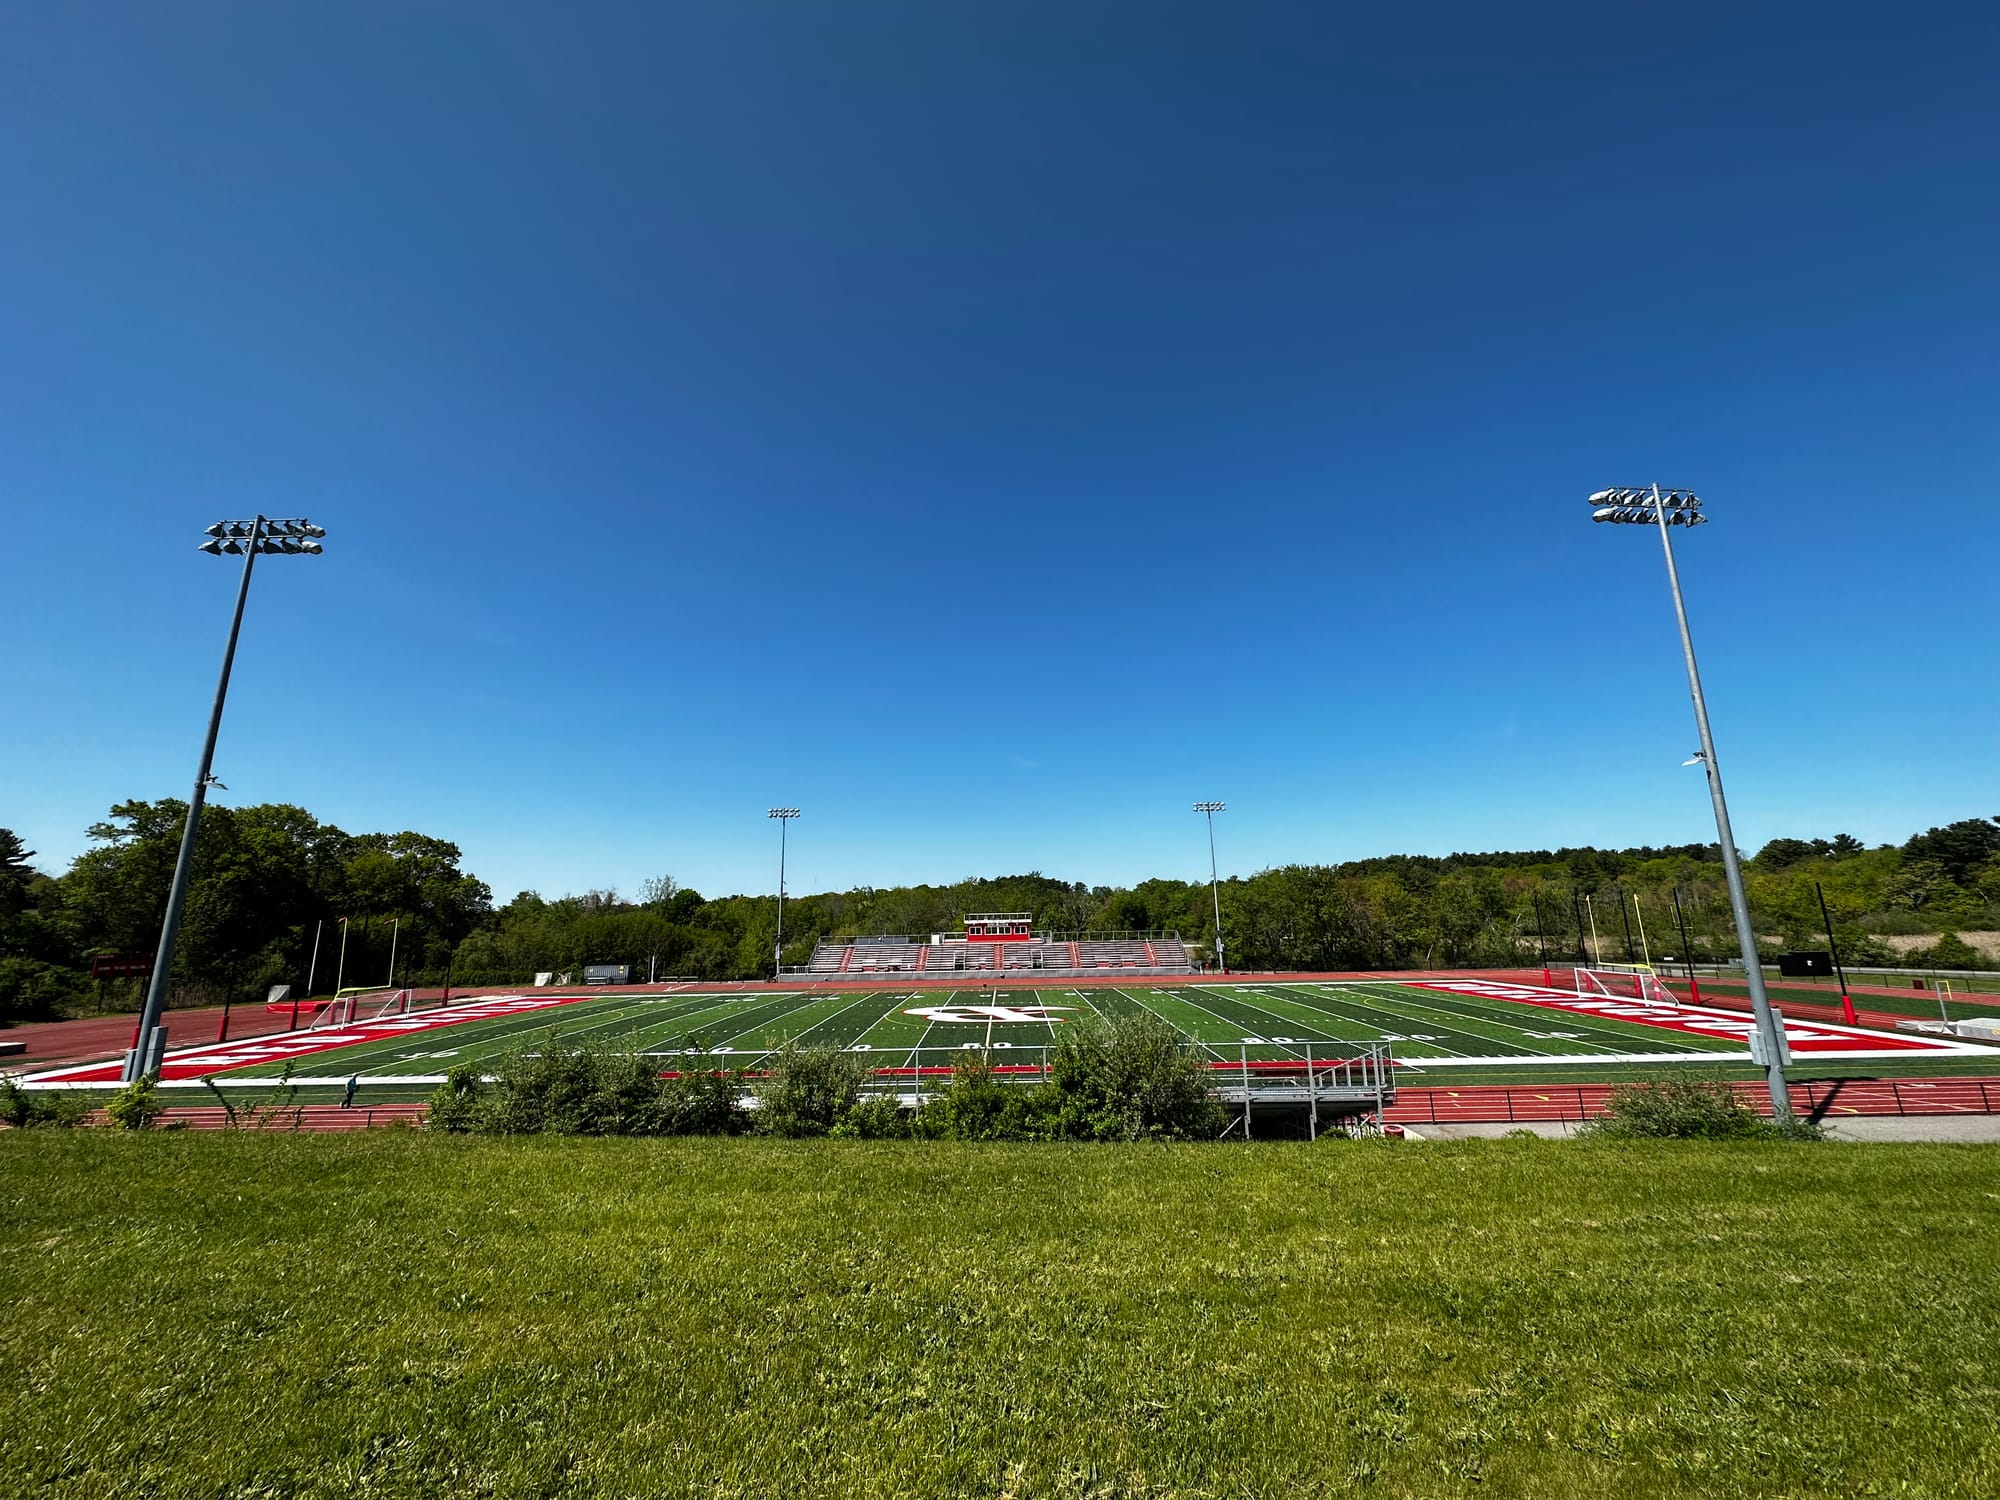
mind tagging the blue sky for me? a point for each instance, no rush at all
(992, 428)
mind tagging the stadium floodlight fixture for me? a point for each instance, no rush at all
(1664, 509)
(784, 815)
(237, 538)
(1210, 809)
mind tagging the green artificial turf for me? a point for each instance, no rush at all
(1269, 1022)
(396, 1314)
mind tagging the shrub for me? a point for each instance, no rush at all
(279, 1109)
(701, 1101)
(564, 1089)
(806, 1091)
(1130, 1078)
(25, 1109)
(976, 1106)
(454, 1105)
(1949, 952)
(878, 1119)
(137, 1105)
(1688, 1109)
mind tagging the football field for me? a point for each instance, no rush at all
(1444, 1024)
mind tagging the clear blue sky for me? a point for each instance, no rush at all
(993, 427)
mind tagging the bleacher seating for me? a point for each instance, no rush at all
(948, 960)
(882, 958)
(1113, 953)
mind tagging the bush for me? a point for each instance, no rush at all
(878, 1119)
(26, 1110)
(137, 1105)
(976, 1106)
(1686, 1109)
(565, 1089)
(1130, 1078)
(702, 1101)
(806, 1091)
(1949, 952)
(454, 1105)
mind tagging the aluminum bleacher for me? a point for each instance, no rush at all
(1042, 960)
(881, 958)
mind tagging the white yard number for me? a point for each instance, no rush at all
(997, 1014)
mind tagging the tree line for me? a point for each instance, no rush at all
(271, 884)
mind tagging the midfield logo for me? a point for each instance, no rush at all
(997, 1014)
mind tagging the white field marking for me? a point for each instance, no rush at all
(1370, 1003)
(1248, 1041)
(1483, 1026)
(1314, 1022)
(1318, 1018)
(1707, 1020)
(683, 1024)
(866, 996)
(891, 1016)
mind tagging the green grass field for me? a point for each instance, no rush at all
(1273, 1021)
(404, 1315)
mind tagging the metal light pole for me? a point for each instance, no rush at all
(395, 931)
(1653, 506)
(784, 815)
(1210, 809)
(237, 538)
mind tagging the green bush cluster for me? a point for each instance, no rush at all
(555, 1087)
(1121, 1080)
(25, 1110)
(1687, 1109)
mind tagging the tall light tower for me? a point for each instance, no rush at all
(1652, 506)
(1214, 889)
(784, 815)
(237, 538)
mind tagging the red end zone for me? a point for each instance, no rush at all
(197, 1061)
(1803, 1037)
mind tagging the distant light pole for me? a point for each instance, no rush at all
(237, 538)
(1664, 509)
(1214, 889)
(784, 815)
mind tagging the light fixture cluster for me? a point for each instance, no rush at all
(1646, 506)
(294, 534)
(1210, 807)
(782, 812)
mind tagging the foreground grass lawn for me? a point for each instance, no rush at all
(397, 1314)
